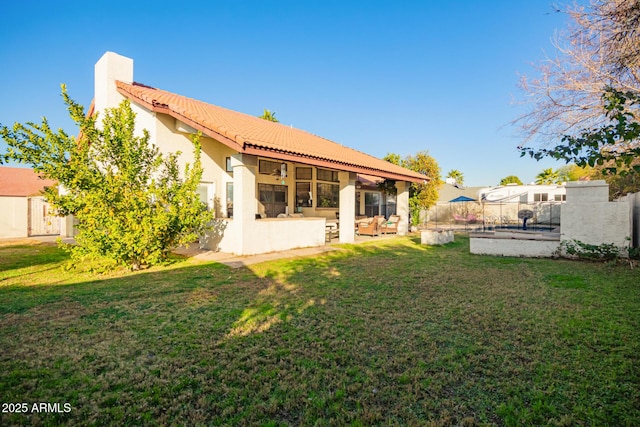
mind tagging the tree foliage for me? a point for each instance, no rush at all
(573, 172)
(269, 116)
(130, 201)
(457, 175)
(421, 196)
(511, 179)
(600, 48)
(547, 177)
(619, 184)
(615, 144)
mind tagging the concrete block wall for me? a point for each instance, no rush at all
(589, 217)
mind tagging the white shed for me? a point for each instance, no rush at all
(23, 211)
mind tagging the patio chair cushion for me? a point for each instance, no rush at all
(390, 226)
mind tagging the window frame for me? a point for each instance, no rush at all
(333, 178)
(266, 162)
(333, 197)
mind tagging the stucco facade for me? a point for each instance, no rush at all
(14, 219)
(238, 185)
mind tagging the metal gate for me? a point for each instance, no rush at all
(42, 221)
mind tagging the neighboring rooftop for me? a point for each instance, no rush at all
(253, 135)
(21, 182)
(448, 192)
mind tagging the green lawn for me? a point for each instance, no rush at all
(384, 333)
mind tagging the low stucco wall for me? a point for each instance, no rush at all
(436, 237)
(514, 244)
(265, 235)
(589, 216)
(14, 219)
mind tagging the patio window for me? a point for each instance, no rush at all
(229, 199)
(371, 204)
(273, 198)
(267, 167)
(540, 197)
(303, 194)
(303, 187)
(328, 195)
(327, 175)
(303, 173)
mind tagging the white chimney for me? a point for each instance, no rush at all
(108, 69)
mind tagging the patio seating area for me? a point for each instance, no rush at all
(364, 226)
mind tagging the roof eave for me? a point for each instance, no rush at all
(164, 109)
(247, 148)
(316, 161)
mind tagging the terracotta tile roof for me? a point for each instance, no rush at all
(253, 135)
(21, 182)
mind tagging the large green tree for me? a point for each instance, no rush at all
(573, 172)
(613, 148)
(547, 177)
(457, 175)
(131, 202)
(269, 116)
(421, 196)
(511, 179)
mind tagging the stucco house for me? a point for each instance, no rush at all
(23, 211)
(273, 187)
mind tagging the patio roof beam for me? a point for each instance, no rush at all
(314, 161)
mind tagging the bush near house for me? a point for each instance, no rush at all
(132, 203)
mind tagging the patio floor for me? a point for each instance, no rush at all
(236, 261)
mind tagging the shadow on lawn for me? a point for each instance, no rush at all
(272, 292)
(390, 332)
(293, 340)
(16, 257)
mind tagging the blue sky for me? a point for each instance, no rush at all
(377, 76)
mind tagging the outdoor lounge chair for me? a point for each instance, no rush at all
(390, 226)
(371, 228)
(459, 218)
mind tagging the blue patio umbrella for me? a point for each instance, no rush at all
(462, 199)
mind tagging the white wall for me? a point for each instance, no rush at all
(14, 219)
(265, 235)
(347, 207)
(589, 217)
(402, 206)
(512, 247)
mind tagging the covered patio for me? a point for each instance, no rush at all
(304, 213)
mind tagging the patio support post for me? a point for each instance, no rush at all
(347, 206)
(244, 197)
(402, 207)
